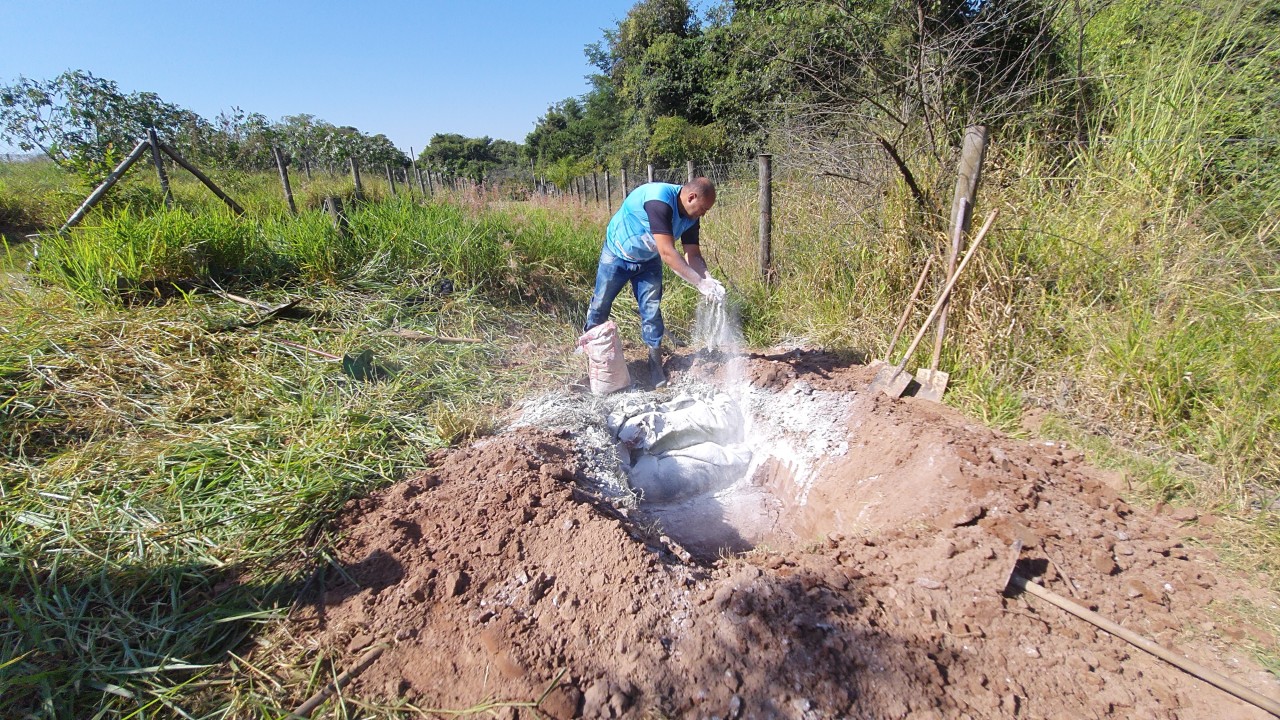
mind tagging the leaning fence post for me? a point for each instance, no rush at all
(355, 176)
(284, 179)
(235, 207)
(391, 180)
(766, 217)
(96, 195)
(159, 163)
(333, 205)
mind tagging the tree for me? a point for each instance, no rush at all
(84, 123)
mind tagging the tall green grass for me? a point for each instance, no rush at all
(164, 469)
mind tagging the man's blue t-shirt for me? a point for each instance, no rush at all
(652, 208)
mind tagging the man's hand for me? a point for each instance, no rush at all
(711, 289)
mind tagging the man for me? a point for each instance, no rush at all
(641, 237)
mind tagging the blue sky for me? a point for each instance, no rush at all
(405, 69)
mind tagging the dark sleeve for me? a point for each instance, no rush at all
(659, 217)
(690, 236)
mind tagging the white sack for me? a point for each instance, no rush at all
(606, 366)
(677, 474)
(682, 423)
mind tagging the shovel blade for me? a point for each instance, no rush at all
(932, 384)
(892, 380)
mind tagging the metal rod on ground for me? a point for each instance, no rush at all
(159, 163)
(766, 217)
(102, 189)
(315, 701)
(284, 179)
(213, 187)
(1018, 582)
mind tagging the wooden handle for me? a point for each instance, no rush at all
(1204, 673)
(906, 312)
(946, 291)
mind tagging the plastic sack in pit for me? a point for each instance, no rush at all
(678, 474)
(606, 366)
(683, 422)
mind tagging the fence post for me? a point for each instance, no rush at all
(608, 192)
(595, 185)
(159, 163)
(624, 182)
(391, 180)
(689, 165)
(333, 205)
(284, 179)
(173, 155)
(971, 154)
(766, 217)
(355, 176)
(102, 189)
(650, 172)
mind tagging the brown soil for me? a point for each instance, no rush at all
(501, 574)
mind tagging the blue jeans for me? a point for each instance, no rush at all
(646, 281)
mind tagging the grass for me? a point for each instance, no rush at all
(165, 466)
(165, 461)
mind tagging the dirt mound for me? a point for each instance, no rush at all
(871, 590)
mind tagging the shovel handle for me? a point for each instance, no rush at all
(946, 291)
(906, 312)
(1257, 700)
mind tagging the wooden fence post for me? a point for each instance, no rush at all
(333, 205)
(235, 207)
(284, 179)
(154, 141)
(650, 172)
(970, 171)
(391, 179)
(97, 194)
(595, 185)
(608, 192)
(766, 217)
(355, 177)
(623, 189)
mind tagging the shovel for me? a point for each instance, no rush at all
(1016, 584)
(906, 312)
(891, 379)
(933, 382)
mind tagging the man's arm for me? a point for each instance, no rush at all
(693, 255)
(686, 269)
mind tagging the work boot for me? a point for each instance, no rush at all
(655, 367)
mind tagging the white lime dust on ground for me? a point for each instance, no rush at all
(715, 465)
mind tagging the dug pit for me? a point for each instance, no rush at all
(525, 568)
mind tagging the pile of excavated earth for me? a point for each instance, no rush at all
(593, 559)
